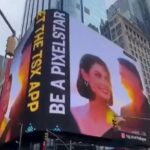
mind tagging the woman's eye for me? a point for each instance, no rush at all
(97, 75)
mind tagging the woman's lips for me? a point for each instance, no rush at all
(104, 90)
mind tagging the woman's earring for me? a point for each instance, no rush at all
(86, 83)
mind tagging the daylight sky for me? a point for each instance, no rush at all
(13, 10)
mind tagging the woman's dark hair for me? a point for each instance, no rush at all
(131, 67)
(86, 62)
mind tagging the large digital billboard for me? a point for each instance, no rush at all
(66, 77)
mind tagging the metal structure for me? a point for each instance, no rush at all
(8, 24)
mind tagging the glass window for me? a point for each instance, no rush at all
(146, 68)
(86, 10)
(140, 58)
(122, 44)
(29, 15)
(132, 52)
(35, 9)
(119, 31)
(78, 6)
(118, 26)
(147, 88)
(136, 55)
(111, 23)
(55, 4)
(120, 39)
(31, 12)
(46, 4)
(144, 73)
(115, 20)
(113, 36)
(40, 4)
(126, 27)
(24, 26)
(130, 46)
(145, 80)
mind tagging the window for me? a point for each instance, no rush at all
(116, 41)
(113, 34)
(147, 88)
(78, 6)
(46, 4)
(25, 19)
(130, 46)
(144, 73)
(135, 49)
(145, 80)
(140, 58)
(115, 20)
(119, 31)
(40, 5)
(35, 8)
(29, 14)
(138, 35)
(126, 27)
(146, 68)
(132, 52)
(136, 55)
(121, 39)
(122, 44)
(111, 23)
(118, 26)
(86, 10)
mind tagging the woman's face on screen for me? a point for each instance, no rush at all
(99, 82)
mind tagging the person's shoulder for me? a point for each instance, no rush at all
(78, 111)
(125, 109)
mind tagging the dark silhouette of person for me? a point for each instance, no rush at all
(137, 112)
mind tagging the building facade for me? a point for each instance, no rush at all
(89, 13)
(129, 27)
(134, 42)
(136, 11)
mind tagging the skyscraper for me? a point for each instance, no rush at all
(93, 12)
(128, 28)
(89, 13)
(136, 11)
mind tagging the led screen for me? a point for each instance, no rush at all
(66, 77)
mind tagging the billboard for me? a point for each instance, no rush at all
(68, 78)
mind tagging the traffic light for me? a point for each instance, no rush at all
(11, 45)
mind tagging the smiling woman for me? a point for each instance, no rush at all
(94, 118)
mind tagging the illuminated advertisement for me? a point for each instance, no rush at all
(66, 77)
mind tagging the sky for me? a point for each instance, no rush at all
(13, 10)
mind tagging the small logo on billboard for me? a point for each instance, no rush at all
(123, 136)
(57, 129)
(30, 128)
